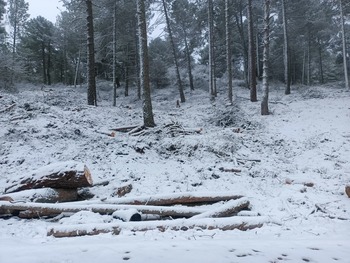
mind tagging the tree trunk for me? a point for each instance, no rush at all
(265, 100)
(320, 61)
(346, 77)
(251, 54)
(286, 50)
(228, 52)
(66, 175)
(48, 70)
(115, 55)
(43, 58)
(127, 80)
(91, 96)
(308, 61)
(188, 56)
(212, 81)
(77, 67)
(144, 65)
(179, 81)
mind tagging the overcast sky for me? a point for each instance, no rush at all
(46, 8)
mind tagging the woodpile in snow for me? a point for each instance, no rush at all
(51, 192)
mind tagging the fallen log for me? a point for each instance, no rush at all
(44, 195)
(188, 198)
(36, 210)
(125, 128)
(224, 224)
(231, 208)
(67, 175)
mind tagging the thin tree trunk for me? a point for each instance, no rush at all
(320, 60)
(77, 67)
(304, 61)
(43, 58)
(188, 55)
(92, 100)
(286, 50)
(265, 99)
(344, 46)
(258, 73)
(115, 55)
(48, 71)
(228, 52)
(127, 80)
(211, 51)
(144, 65)
(308, 61)
(251, 54)
(179, 81)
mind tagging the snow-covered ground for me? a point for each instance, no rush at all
(305, 141)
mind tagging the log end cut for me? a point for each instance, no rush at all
(347, 190)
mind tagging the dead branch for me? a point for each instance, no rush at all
(125, 128)
(224, 224)
(8, 108)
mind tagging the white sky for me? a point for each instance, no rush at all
(46, 8)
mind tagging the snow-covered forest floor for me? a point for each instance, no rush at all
(294, 167)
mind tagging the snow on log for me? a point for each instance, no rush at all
(224, 224)
(44, 195)
(189, 198)
(44, 209)
(67, 175)
(231, 208)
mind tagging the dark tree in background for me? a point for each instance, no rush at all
(91, 93)
(148, 119)
(251, 54)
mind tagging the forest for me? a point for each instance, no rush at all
(175, 131)
(211, 42)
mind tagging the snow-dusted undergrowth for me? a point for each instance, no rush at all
(306, 140)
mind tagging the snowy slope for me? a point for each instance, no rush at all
(305, 141)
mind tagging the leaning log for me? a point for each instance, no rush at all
(36, 210)
(231, 208)
(43, 195)
(66, 175)
(224, 224)
(188, 198)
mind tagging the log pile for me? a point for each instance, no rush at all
(163, 212)
(58, 182)
(51, 192)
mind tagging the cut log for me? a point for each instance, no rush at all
(44, 195)
(224, 224)
(35, 210)
(231, 208)
(66, 175)
(347, 190)
(127, 215)
(175, 199)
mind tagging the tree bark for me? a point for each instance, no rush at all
(265, 100)
(212, 80)
(34, 210)
(251, 54)
(67, 175)
(144, 65)
(188, 56)
(115, 54)
(44, 195)
(91, 96)
(224, 224)
(178, 77)
(228, 52)
(286, 50)
(175, 199)
(346, 77)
